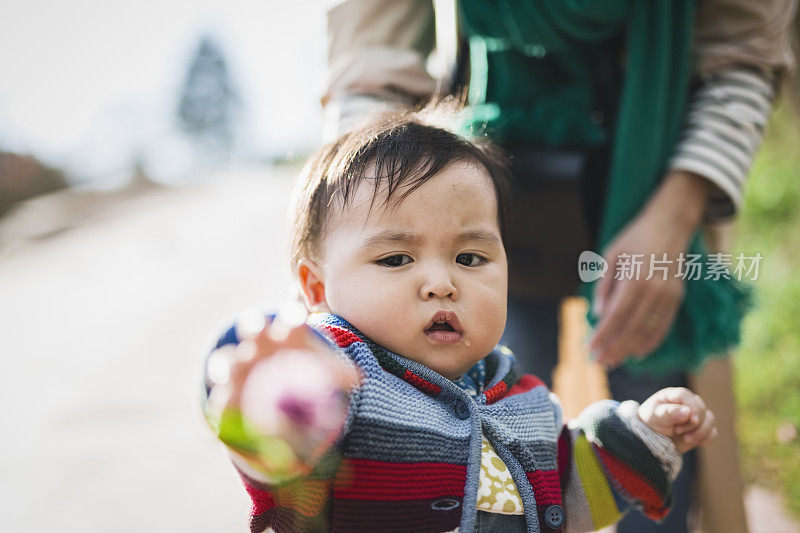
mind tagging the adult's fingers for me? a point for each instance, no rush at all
(619, 307)
(617, 351)
(603, 290)
(665, 311)
(640, 327)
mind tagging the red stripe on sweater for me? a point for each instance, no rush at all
(421, 384)
(526, 382)
(306, 496)
(495, 393)
(546, 486)
(342, 337)
(384, 481)
(635, 485)
(262, 500)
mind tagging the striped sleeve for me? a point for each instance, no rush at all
(725, 124)
(617, 463)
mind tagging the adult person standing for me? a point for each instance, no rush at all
(630, 125)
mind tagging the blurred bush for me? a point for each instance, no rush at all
(768, 363)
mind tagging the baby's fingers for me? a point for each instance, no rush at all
(700, 436)
(669, 415)
(680, 395)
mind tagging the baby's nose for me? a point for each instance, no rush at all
(442, 287)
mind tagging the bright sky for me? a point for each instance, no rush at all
(87, 82)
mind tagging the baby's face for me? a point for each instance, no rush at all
(426, 278)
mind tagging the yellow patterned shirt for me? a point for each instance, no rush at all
(497, 492)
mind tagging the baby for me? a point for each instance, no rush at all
(397, 244)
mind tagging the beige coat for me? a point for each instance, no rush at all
(379, 48)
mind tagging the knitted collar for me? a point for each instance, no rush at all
(474, 380)
(344, 334)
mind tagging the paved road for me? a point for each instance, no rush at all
(103, 328)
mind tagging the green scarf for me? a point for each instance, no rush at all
(648, 123)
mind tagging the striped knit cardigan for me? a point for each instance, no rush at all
(409, 456)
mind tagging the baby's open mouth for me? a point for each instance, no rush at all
(444, 327)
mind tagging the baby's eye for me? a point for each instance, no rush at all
(394, 260)
(470, 260)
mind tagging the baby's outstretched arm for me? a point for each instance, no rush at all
(681, 415)
(276, 396)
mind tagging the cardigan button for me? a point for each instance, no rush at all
(461, 410)
(554, 516)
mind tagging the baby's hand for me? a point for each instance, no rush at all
(681, 415)
(278, 397)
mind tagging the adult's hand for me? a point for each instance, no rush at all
(635, 312)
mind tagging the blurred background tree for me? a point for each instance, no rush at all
(209, 105)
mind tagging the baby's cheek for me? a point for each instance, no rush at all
(380, 323)
(488, 335)
(354, 302)
(500, 323)
(496, 318)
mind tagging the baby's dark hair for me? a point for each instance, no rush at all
(395, 154)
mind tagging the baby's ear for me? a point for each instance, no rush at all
(311, 283)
